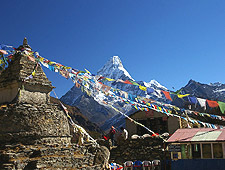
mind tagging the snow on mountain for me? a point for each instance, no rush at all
(155, 84)
(114, 69)
(215, 84)
(103, 115)
(212, 91)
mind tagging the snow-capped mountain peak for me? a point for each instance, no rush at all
(114, 69)
(116, 61)
(215, 84)
(154, 83)
(98, 113)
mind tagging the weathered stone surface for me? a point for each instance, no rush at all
(13, 81)
(46, 157)
(18, 122)
(138, 149)
(102, 156)
(35, 134)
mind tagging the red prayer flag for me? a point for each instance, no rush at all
(212, 103)
(106, 137)
(155, 134)
(167, 94)
(127, 82)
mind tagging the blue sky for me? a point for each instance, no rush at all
(171, 41)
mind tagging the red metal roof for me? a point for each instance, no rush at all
(197, 135)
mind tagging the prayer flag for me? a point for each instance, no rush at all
(121, 81)
(202, 102)
(143, 88)
(134, 83)
(150, 90)
(192, 99)
(177, 92)
(182, 95)
(127, 82)
(222, 106)
(87, 71)
(64, 73)
(212, 103)
(33, 73)
(3, 52)
(159, 93)
(51, 68)
(100, 78)
(167, 94)
(109, 79)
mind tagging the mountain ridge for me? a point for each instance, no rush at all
(105, 116)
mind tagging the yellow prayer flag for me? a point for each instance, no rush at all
(41, 59)
(207, 115)
(143, 88)
(160, 108)
(51, 62)
(109, 79)
(33, 73)
(182, 95)
(87, 71)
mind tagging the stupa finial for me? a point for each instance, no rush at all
(25, 44)
(25, 41)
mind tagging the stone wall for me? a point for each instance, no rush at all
(28, 157)
(150, 148)
(19, 122)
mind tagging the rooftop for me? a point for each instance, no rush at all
(197, 135)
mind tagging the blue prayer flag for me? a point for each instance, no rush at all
(192, 99)
(150, 90)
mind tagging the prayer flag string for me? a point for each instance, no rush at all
(91, 84)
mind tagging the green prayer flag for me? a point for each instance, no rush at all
(222, 106)
(177, 92)
(134, 83)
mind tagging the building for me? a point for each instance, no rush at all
(201, 143)
(200, 148)
(156, 121)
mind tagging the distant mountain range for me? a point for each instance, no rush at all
(106, 116)
(212, 91)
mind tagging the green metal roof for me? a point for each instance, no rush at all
(206, 136)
